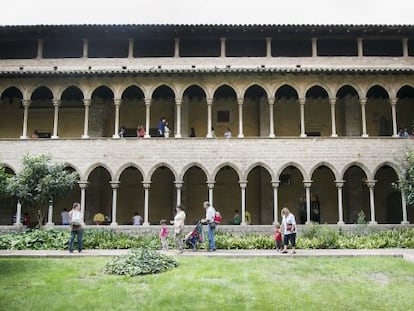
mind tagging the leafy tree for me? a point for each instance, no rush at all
(406, 184)
(39, 182)
(3, 180)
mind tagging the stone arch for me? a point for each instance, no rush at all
(194, 111)
(41, 112)
(255, 110)
(124, 166)
(102, 108)
(11, 117)
(295, 165)
(330, 166)
(229, 164)
(227, 193)
(93, 167)
(378, 112)
(71, 112)
(162, 164)
(255, 84)
(225, 109)
(286, 113)
(194, 164)
(360, 165)
(163, 106)
(348, 111)
(405, 109)
(317, 112)
(132, 111)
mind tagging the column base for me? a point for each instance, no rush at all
(303, 135)
(24, 137)
(18, 224)
(178, 136)
(373, 222)
(146, 224)
(240, 136)
(364, 135)
(405, 222)
(147, 136)
(272, 135)
(308, 223)
(85, 136)
(334, 135)
(115, 136)
(340, 223)
(113, 224)
(54, 137)
(50, 225)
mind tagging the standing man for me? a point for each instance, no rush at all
(211, 225)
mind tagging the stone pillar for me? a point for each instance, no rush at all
(50, 222)
(404, 209)
(243, 185)
(363, 102)
(26, 104)
(393, 102)
(332, 101)
(146, 185)
(40, 48)
(87, 104)
(178, 187)
(209, 117)
(85, 48)
(210, 185)
(339, 185)
(82, 186)
(271, 102)
(178, 105)
(117, 103)
(268, 47)
(222, 47)
(302, 116)
(405, 47)
(360, 47)
(176, 47)
(147, 117)
(18, 215)
(240, 103)
(308, 184)
(314, 47)
(56, 105)
(131, 48)
(275, 185)
(371, 185)
(115, 186)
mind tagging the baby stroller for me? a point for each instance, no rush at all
(191, 238)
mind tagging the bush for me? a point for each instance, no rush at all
(140, 261)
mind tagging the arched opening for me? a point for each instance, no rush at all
(194, 193)
(11, 113)
(317, 112)
(132, 111)
(130, 199)
(355, 195)
(71, 113)
(163, 106)
(291, 193)
(286, 112)
(225, 111)
(405, 109)
(259, 196)
(41, 113)
(98, 195)
(194, 112)
(227, 194)
(162, 198)
(102, 113)
(255, 118)
(8, 205)
(378, 112)
(348, 112)
(66, 201)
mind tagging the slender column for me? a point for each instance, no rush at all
(302, 116)
(308, 184)
(371, 185)
(178, 187)
(85, 48)
(363, 102)
(222, 47)
(360, 47)
(271, 102)
(50, 222)
(178, 105)
(209, 117)
(240, 103)
(146, 185)
(404, 209)
(131, 48)
(18, 215)
(176, 47)
(117, 103)
(40, 48)
(405, 47)
(82, 186)
(56, 105)
(243, 185)
(275, 185)
(314, 47)
(268, 47)
(393, 102)
(26, 104)
(332, 101)
(147, 117)
(115, 186)
(87, 104)
(339, 185)
(210, 185)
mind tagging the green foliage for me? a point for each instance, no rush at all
(40, 181)
(140, 261)
(4, 180)
(406, 184)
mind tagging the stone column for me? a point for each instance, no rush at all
(178, 187)
(178, 105)
(371, 185)
(405, 47)
(85, 48)
(243, 185)
(176, 47)
(56, 105)
(360, 47)
(339, 185)
(404, 209)
(130, 48)
(210, 185)
(82, 186)
(18, 215)
(275, 185)
(332, 101)
(308, 184)
(222, 47)
(50, 222)
(268, 47)
(209, 117)
(117, 103)
(393, 102)
(314, 47)
(146, 185)
(363, 102)
(271, 102)
(87, 104)
(40, 48)
(147, 117)
(240, 103)
(26, 104)
(302, 116)
(115, 186)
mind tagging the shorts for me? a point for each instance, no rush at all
(290, 237)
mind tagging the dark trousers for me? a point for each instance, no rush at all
(79, 235)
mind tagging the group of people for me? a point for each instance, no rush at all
(288, 226)
(140, 131)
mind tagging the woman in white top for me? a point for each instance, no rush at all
(289, 229)
(178, 223)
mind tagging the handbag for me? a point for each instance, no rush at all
(76, 218)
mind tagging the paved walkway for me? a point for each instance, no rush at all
(407, 254)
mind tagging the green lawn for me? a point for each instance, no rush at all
(202, 283)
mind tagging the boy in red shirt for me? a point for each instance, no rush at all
(278, 238)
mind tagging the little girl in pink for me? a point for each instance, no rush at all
(164, 234)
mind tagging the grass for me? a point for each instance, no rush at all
(202, 283)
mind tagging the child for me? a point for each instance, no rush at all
(278, 238)
(164, 234)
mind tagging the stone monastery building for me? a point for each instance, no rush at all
(315, 113)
